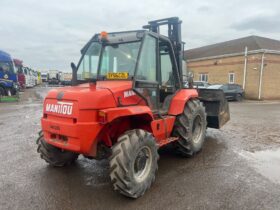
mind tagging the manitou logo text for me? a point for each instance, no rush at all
(60, 108)
(128, 93)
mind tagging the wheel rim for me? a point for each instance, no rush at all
(197, 129)
(142, 164)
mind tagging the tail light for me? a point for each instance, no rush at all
(102, 117)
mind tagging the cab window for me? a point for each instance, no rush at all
(146, 72)
(167, 78)
(147, 62)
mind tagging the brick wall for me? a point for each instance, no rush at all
(271, 77)
(218, 72)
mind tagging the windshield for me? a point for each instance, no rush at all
(198, 83)
(215, 87)
(119, 58)
(89, 64)
(6, 66)
(19, 70)
(115, 58)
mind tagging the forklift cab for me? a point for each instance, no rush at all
(156, 76)
(152, 62)
(146, 57)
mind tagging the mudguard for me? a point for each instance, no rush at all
(216, 105)
(179, 100)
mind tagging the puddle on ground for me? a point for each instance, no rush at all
(265, 162)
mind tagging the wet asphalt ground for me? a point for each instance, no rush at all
(238, 168)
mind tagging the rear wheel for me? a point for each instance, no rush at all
(190, 127)
(133, 163)
(53, 155)
(239, 97)
(2, 92)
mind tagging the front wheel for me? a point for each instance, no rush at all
(2, 92)
(133, 163)
(190, 127)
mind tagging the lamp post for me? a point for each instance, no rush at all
(261, 76)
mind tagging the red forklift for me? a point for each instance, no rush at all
(127, 100)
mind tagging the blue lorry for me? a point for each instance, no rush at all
(8, 76)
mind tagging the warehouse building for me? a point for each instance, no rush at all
(252, 62)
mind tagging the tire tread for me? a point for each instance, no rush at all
(119, 173)
(52, 155)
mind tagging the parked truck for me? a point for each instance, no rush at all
(29, 81)
(66, 78)
(8, 76)
(34, 76)
(39, 78)
(20, 73)
(54, 77)
(44, 76)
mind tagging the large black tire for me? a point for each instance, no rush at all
(54, 156)
(239, 97)
(14, 91)
(190, 127)
(133, 163)
(2, 92)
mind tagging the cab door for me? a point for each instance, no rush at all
(146, 75)
(167, 70)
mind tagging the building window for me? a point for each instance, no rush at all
(231, 78)
(203, 77)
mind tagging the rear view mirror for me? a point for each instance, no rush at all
(74, 73)
(73, 66)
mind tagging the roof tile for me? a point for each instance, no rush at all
(233, 46)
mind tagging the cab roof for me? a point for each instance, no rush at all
(118, 37)
(5, 56)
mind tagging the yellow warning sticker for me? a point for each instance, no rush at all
(117, 75)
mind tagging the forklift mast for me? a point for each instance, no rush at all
(214, 100)
(174, 34)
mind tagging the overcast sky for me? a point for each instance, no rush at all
(49, 34)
